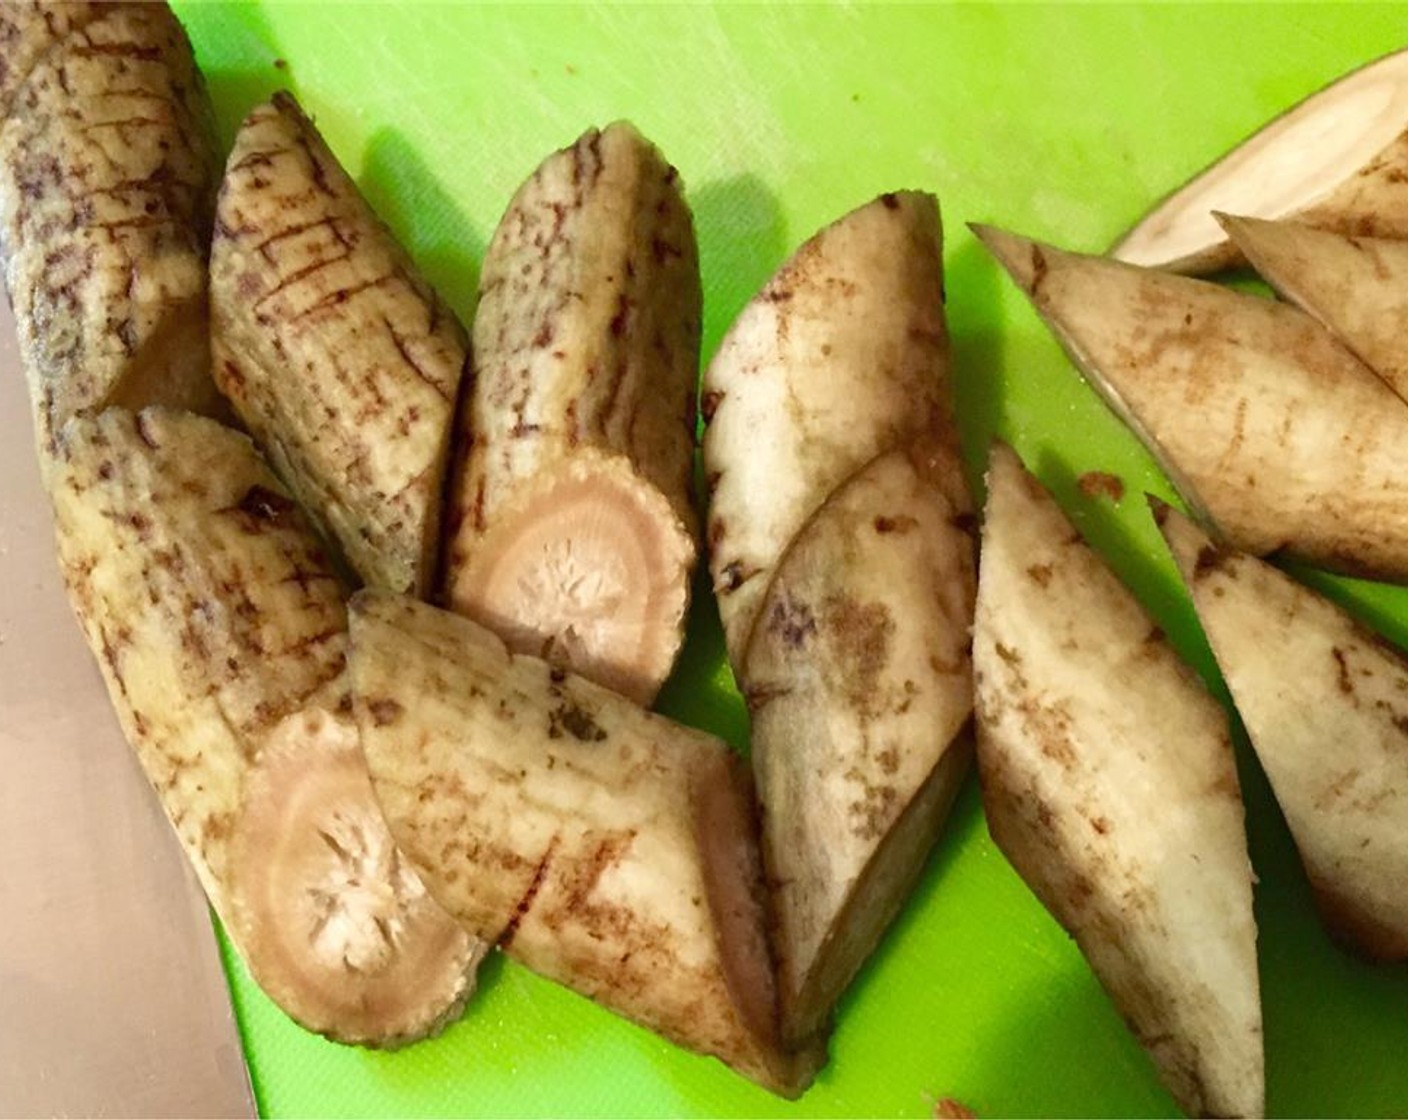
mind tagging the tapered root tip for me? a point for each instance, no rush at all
(1024, 259)
(1254, 237)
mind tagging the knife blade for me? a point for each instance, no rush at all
(113, 1001)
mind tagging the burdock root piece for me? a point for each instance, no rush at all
(333, 349)
(1109, 782)
(1325, 702)
(605, 847)
(571, 529)
(107, 184)
(221, 632)
(1274, 433)
(860, 687)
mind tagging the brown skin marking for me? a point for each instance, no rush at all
(573, 720)
(900, 524)
(732, 578)
(1210, 558)
(1009, 655)
(261, 508)
(1039, 268)
(1102, 484)
(1051, 728)
(1346, 684)
(792, 621)
(709, 404)
(861, 634)
(385, 711)
(526, 902)
(1040, 574)
(757, 697)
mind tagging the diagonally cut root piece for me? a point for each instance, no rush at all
(1325, 702)
(585, 569)
(1356, 286)
(860, 686)
(334, 350)
(1267, 426)
(843, 355)
(1338, 160)
(1109, 782)
(610, 849)
(107, 181)
(572, 532)
(220, 630)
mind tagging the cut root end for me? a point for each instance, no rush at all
(1296, 164)
(335, 927)
(590, 571)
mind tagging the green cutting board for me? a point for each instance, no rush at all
(1064, 123)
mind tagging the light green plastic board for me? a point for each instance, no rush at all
(1062, 122)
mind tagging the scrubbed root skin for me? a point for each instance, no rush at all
(1372, 202)
(586, 347)
(206, 599)
(876, 897)
(859, 682)
(107, 175)
(843, 355)
(589, 569)
(587, 330)
(29, 29)
(560, 819)
(1305, 674)
(333, 349)
(1109, 782)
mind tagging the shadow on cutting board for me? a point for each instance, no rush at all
(701, 691)
(742, 237)
(406, 194)
(972, 290)
(234, 92)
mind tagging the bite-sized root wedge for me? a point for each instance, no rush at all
(1109, 782)
(843, 355)
(1268, 427)
(107, 180)
(1338, 160)
(572, 532)
(606, 848)
(29, 29)
(1356, 286)
(1325, 702)
(860, 686)
(220, 630)
(333, 349)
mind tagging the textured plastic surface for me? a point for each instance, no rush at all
(1065, 123)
